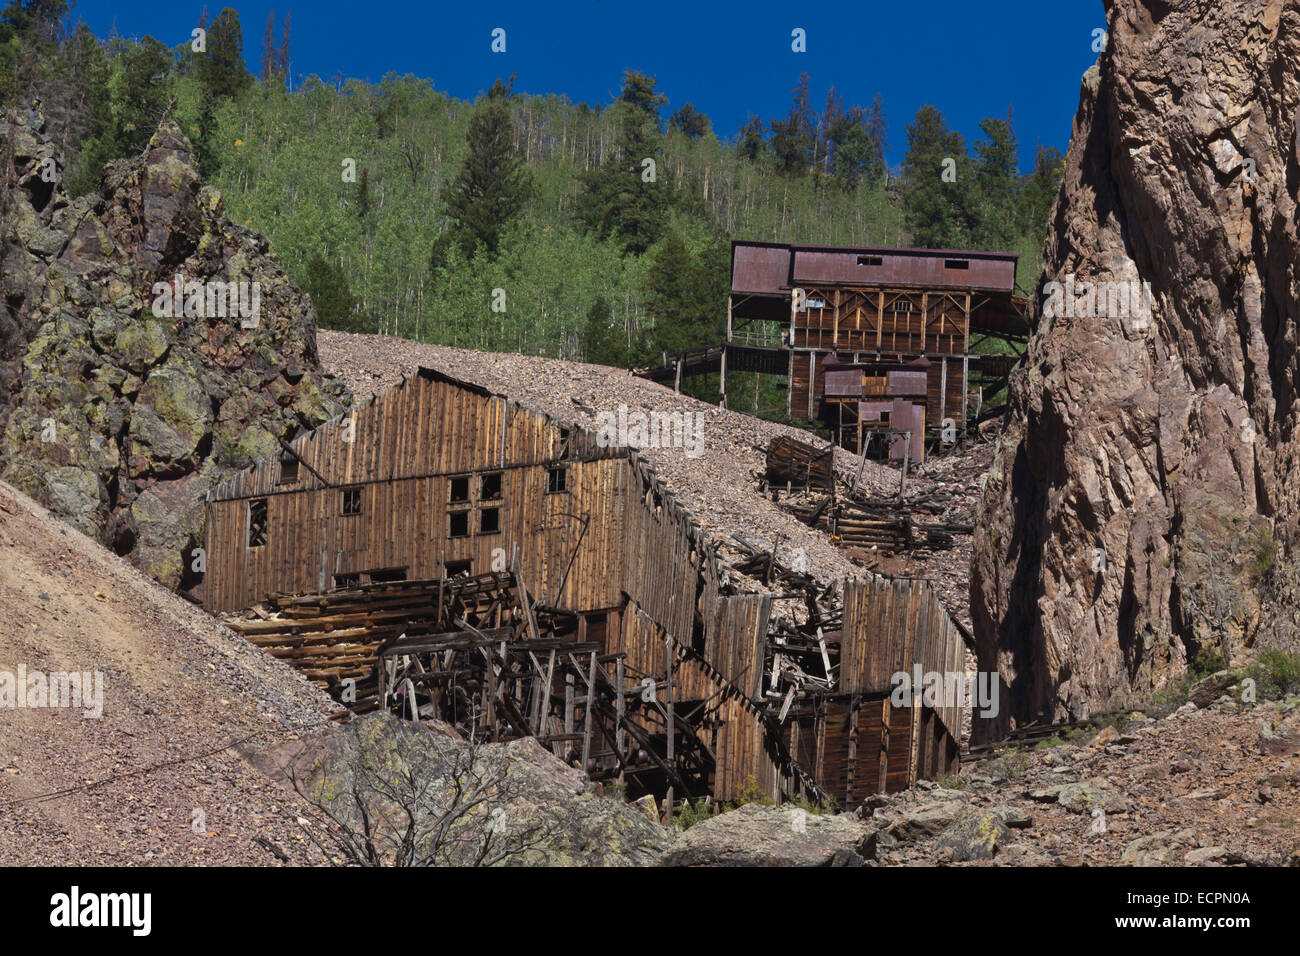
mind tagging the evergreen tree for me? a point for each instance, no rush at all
(141, 95)
(996, 174)
(620, 200)
(686, 295)
(205, 152)
(750, 143)
(639, 93)
(690, 122)
(327, 285)
(936, 210)
(794, 139)
(221, 69)
(603, 341)
(363, 194)
(493, 185)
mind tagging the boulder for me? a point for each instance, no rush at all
(759, 835)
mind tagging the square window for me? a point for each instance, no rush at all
(458, 524)
(490, 486)
(351, 501)
(459, 489)
(557, 480)
(489, 521)
(257, 522)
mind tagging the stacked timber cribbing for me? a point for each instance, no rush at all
(799, 464)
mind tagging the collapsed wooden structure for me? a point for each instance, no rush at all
(444, 552)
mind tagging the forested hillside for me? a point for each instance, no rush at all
(518, 222)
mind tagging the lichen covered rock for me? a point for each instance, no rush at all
(122, 403)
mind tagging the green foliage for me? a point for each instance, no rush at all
(327, 285)
(1276, 673)
(221, 68)
(140, 94)
(545, 199)
(1263, 554)
(493, 184)
(750, 792)
(685, 297)
(623, 198)
(1207, 661)
(689, 814)
(936, 172)
(690, 122)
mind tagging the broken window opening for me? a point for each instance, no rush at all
(458, 524)
(351, 501)
(451, 569)
(459, 489)
(489, 521)
(349, 579)
(257, 522)
(384, 575)
(490, 486)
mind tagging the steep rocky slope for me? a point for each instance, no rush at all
(118, 409)
(183, 701)
(1145, 487)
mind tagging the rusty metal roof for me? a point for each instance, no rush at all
(773, 268)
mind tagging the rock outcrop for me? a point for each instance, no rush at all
(121, 402)
(1145, 485)
(758, 835)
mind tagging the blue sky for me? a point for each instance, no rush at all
(971, 60)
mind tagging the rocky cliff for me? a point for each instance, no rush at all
(148, 346)
(1144, 493)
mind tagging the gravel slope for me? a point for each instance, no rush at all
(177, 685)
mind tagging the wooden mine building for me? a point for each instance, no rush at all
(444, 551)
(871, 341)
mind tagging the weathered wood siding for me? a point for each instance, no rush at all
(891, 625)
(406, 447)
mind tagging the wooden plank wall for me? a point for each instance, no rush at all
(889, 625)
(668, 565)
(404, 524)
(736, 643)
(406, 445)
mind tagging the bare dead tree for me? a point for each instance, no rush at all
(394, 793)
